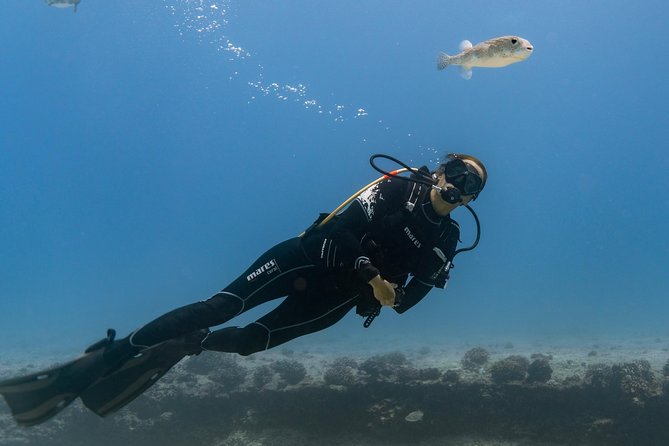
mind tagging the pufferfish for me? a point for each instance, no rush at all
(493, 53)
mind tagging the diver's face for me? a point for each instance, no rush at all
(442, 183)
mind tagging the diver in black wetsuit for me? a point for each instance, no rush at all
(395, 239)
(357, 259)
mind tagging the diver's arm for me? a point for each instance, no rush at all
(349, 229)
(352, 225)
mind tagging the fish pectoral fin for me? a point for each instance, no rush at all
(466, 72)
(465, 45)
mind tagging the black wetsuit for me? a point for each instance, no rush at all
(391, 229)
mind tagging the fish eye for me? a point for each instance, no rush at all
(514, 41)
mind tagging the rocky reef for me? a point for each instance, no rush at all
(389, 399)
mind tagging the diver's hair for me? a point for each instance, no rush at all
(452, 156)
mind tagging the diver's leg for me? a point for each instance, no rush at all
(301, 313)
(274, 274)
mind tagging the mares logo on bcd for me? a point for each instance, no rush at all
(268, 268)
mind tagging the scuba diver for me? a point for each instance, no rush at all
(389, 247)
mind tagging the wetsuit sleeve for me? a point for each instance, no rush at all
(433, 270)
(372, 206)
(346, 234)
(341, 247)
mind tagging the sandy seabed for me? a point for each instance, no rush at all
(320, 391)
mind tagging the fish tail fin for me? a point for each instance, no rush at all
(443, 61)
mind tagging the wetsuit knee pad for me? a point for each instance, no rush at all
(224, 306)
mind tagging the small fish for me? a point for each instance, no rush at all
(63, 3)
(493, 53)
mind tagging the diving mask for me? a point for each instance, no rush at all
(463, 176)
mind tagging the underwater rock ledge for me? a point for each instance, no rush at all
(221, 400)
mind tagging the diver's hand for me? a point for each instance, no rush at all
(384, 291)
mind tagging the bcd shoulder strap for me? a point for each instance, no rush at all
(416, 191)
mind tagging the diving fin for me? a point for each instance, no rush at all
(119, 388)
(35, 398)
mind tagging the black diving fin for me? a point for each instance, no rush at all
(103, 388)
(119, 388)
(35, 398)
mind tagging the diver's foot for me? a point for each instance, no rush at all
(109, 375)
(127, 382)
(35, 398)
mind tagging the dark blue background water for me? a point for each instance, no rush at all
(144, 164)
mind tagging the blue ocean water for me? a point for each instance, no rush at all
(149, 151)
